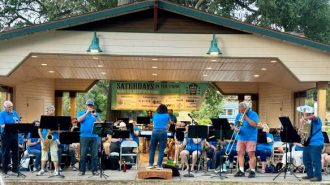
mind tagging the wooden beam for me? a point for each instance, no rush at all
(155, 15)
(73, 95)
(58, 103)
(321, 88)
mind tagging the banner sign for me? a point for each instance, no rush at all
(148, 95)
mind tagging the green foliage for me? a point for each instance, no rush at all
(211, 107)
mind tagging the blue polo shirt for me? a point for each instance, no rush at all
(161, 121)
(266, 146)
(35, 147)
(8, 118)
(247, 132)
(173, 118)
(191, 146)
(317, 138)
(86, 126)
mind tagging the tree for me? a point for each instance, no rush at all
(211, 106)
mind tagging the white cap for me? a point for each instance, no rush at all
(305, 109)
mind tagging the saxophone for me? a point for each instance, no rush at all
(47, 141)
(304, 131)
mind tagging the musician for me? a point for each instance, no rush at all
(88, 140)
(230, 150)
(194, 146)
(178, 144)
(49, 142)
(265, 150)
(173, 120)
(247, 138)
(9, 139)
(159, 134)
(34, 148)
(296, 154)
(146, 139)
(312, 152)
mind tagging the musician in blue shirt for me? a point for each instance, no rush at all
(9, 138)
(34, 147)
(159, 135)
(88, 140)
(247, 138)
(265, 150)
(312, 152)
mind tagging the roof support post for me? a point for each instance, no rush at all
(155, 15)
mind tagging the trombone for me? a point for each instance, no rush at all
(233, 138)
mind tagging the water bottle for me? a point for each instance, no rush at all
(124, 166)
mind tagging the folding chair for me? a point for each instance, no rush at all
(132, 145)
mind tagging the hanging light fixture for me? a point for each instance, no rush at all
(95, 45)
(214, 50)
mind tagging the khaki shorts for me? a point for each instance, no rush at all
(249, 146)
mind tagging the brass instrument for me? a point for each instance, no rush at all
(233, 138)
(47, 141)
(304, 130)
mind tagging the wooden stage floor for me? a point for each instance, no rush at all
(130, 177)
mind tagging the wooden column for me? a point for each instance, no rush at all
(58, 103)
(255, 102)
(73, 96)
(321, 88)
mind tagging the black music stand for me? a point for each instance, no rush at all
(222, 132)
(179, 134)
(68, 138)
(22, 128)
(56, 123)
(102, 130)
(288, 135)
(196, 131)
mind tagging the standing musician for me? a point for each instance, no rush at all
(49, 142)
(9, 139)
(247, 138)
(312, 151)
(159, 135)
(88, 140)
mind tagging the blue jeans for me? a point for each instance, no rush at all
(312, 161)
(158, 135)
(88, 144)
(37, 161)
(263, 154)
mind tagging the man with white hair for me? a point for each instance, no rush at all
(9, 138)
(247, 121)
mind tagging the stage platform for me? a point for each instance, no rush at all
(130, 177)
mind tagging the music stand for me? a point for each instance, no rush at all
(288, 135)
(120, 133)
(196, 131)
(179, 134)
(102, 130)
(23, 128)
(56, 123)
(222, 132)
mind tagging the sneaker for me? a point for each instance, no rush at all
(252, 174)
(56, 173)
(95, 173)
(239, 174)
(150, 167)
(81, 173)
(159, 168)
(41, 173)
(315, 179)
(306, 177)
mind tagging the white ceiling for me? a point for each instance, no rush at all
(142, 68)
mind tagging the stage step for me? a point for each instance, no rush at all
(153, 173)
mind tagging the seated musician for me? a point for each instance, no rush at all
(111, 144)
(34, 148)
(178, 144)
(146, 139)
(194, 146)
(211, 150)
(325, 157)
(278, 148)
(265, 150)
